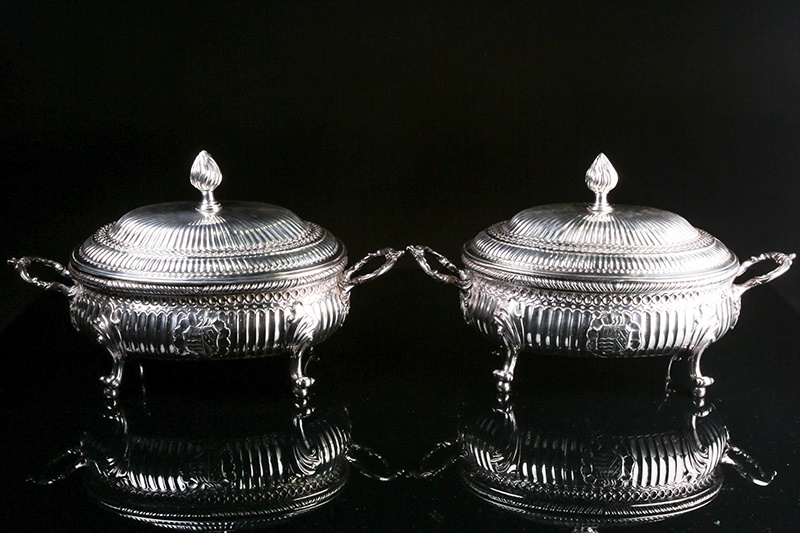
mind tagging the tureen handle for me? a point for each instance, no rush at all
(391, 256)
(365, 459)
(438, 459)
(374, 466)
(784, 261)
(460, 280)
(21, 266)
(747, 467)
(61, 467)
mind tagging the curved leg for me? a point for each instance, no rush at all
(707, 325)
(114, 379)
(300, 381)
(301, 333)
(108, 336)
(506, 374)
(678, 357)
(698, 379)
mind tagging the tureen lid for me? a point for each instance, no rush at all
(600, 242)
(186, 243)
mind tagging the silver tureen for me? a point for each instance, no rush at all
(599, 280)
(209, 280)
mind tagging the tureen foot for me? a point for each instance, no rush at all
(141, 382)
(703, 381)
(304, 382)
(108, 335)
(506, 376)
(300, 381)
(699, 381)
(112, 382)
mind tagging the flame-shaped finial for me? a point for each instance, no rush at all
(601, 178)
(206, 176)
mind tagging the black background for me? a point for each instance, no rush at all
(391, 124)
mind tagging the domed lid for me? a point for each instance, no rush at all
(600, 242)
(185, 243)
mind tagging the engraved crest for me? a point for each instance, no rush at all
(202, 335)
(606, 463)
(613, 334)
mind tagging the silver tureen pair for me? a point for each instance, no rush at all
(243, 279)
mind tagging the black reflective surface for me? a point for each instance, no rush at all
(403, 375)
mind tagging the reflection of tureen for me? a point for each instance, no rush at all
(594, 478)
(599, 280)
(610, 462)
(155, 467)
(208, 280)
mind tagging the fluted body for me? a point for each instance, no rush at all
(250, 323)
(609, 324)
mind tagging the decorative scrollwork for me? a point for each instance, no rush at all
(507, 321)
(301, 329)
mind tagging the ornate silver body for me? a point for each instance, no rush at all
(209, 281)
(597, 280)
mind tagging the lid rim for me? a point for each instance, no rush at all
(495, 231)
(534, 277)
(187, 279)
(154, 288)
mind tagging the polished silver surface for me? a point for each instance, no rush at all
(599, 280)
(209, 280)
